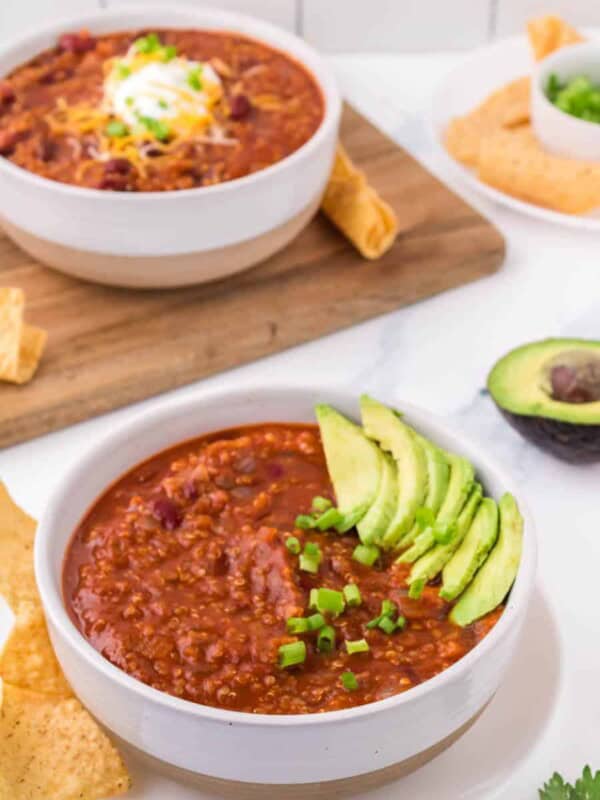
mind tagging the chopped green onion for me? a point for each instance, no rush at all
(357, 646)
(315, 622)
(160, 130)
(400, 623)
(123, 71)
(293, 544)
(116, 128)
(311, 557)
(163, 104)
(352, 595)
(147, 44)
(387, 625)
(443, 533)
(424, 517)
(193, 79)
(292, 654)
(321, 504)
(297, 625)
(416, 589)
(349, 681)
(330, 519)
(326, 639)
(305, 522)
(169, 52)
(366, 554)
(129, 101)
(313, 599)
(329, 601)
(388, 608)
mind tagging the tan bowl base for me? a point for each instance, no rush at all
(327, 790)
(161, 272)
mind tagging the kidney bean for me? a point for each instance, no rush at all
(76, 42)
(8, 140)
(167, 513)
(275, 470)
(45, 150)
(118, 166)
(239, 106)
(7, 94)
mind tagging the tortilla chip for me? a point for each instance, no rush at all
(12, 302)
(550, 33)
(33, 341)
(52, 749)
(357, 210)
(28, 660)
(507, 107)
(17, 531)
(515, 162)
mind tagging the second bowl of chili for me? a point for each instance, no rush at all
(159, 147)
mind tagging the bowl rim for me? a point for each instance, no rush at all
(326, 81)
(551, 63)
(59, 618)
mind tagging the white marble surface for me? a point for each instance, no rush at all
(437, 354)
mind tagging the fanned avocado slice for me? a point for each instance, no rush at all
(462, 477)
(438, 476)
(386, 427)
(354, 463)
(377, 519)
(492, 583)
(473, 551)
(433, 561)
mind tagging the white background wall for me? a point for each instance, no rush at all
(353, 25)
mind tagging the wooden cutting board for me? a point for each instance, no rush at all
(110, 347)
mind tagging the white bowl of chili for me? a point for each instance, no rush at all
(405, 729)
(92, 185)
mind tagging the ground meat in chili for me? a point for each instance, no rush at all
(180, 576)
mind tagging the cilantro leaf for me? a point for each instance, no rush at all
(557, 789)
(588, 786)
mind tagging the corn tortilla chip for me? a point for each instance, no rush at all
(507, 107)
(52, 749)
(28, 660)
(12, 302)
(515, 162)
(357, 210)
(17, 531)
(550, 33)
(33, 341)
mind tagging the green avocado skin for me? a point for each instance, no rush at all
(494, 579)
(521, 387)
(472, 552)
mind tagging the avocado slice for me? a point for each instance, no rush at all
(549, 391)
(462, 477)
(375, 522)
(492, 582)
(480, 538)
(438, 476)
(354, 463)
(386, 427)
(428, 566)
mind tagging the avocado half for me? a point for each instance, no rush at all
(550, 392)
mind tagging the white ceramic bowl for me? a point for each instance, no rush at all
(259, 748)
(559, 132)
(173, 238)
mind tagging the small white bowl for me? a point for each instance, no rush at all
(559, 132)
(407, 729)
(168, 239)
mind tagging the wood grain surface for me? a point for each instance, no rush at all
(110, 347)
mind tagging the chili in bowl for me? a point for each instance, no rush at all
(185, 143)
(218, 596)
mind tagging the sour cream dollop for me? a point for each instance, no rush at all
(178, 92)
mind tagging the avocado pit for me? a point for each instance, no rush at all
(576, 383)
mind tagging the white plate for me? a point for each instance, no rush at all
(464, 87)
